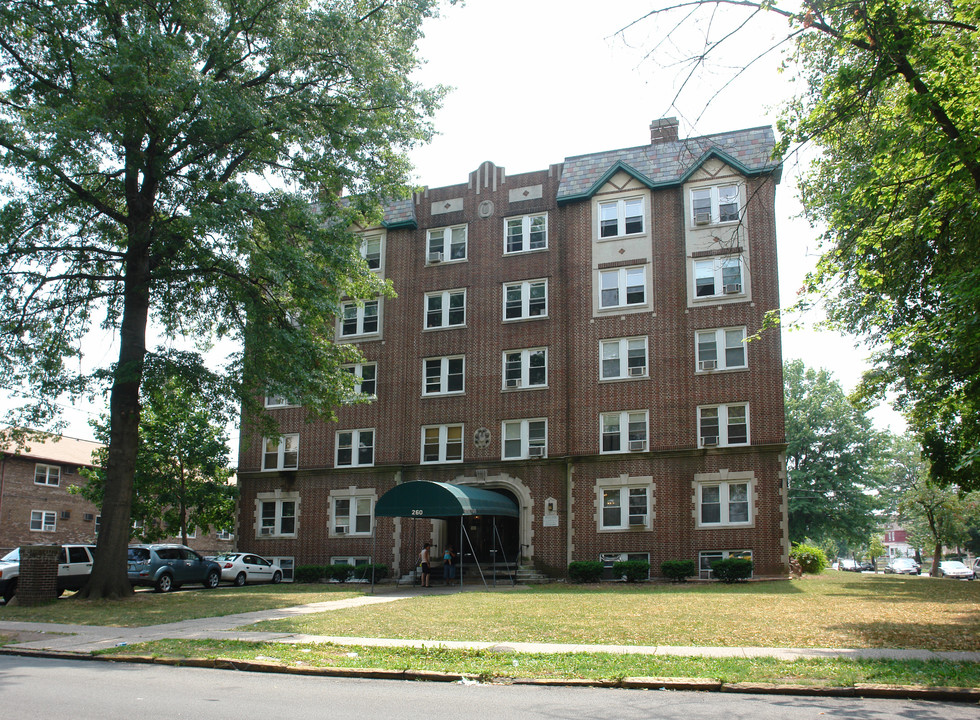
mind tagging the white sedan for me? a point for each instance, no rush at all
(955, 569)
(241, 568)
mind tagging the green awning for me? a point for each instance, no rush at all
(421, 498)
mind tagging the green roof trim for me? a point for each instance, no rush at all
(731, 162)
(425, 499)
(616, 167)
(399, 224)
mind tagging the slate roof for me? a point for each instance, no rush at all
(400, 213)
(669, 163)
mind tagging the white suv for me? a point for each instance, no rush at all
(74, 568)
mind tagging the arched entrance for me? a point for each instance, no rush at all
(480, 529)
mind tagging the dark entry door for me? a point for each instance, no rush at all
(480, 529)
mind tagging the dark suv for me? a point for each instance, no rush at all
(167, 567)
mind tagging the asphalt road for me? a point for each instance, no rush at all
(85, 690)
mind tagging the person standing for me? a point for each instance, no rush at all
(449, 564)
(425, 560)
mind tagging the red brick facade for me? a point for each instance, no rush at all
(561, 492)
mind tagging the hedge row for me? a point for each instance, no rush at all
(590, 571)
(339, 573)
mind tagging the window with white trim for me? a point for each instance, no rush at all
(523, 234)
(622, 287)
(724, 503)
(359, 318)
(609, 559)
(445, 309)
(286, 564)
(718, 276)
(225, 535)
(353, 515)
(723, 425)
(47, 474)
(277, 401)
(524, 439)
(277, 516)
(446, 244)
(354, 448)
(443, 376)
(281, 453)
(711, 205)
(720, 349)
(624, 431)
(525, 368)
(706, 557)
(623, 358)
(442, 443)
(365, 378)
(43, 520)
(371, 246)
(620, 217)
(624, 507)
(525, 300)
(352, 560)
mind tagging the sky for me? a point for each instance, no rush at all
(535, 81)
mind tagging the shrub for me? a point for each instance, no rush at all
(363, 571)
(309, 573)
(732, 569)
(678, 570)
(811, 558)
(339, 573)
(585, 571)
(632, 570)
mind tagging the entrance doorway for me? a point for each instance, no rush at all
(480, 529)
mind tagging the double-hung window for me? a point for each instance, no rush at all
(365, 378)
(620, 217)
(355, 448)
(446, 244)
(277, 401)
(624, 507)
(524, 300)
(523, 234)
(359, 318)
(723, 425)
(525, 368)
(353, 515)
(724, 503)
(43, 520)
(371, 251)
(623, 358)
(720, 349)
(718, 204)
(442, 443)
(624, 431)
(443, 375)
(281, 453)
(277, 517)
(47, 474)
(718, 276)
(622, 287)
(524, 439)
(445, 309)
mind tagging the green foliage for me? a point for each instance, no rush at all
(678, 570)
(309, 573)
(812, 559)
(585, 571)
(340, 572)
(363, 571)
(732, 569)
(632, 570)
(876, 548)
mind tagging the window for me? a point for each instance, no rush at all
(524, 439)
(526, 300)
(365, 378)
(624, 507)
(281, 453)
(723, 425)
(277, 517)
(445, 309)
(715, 204)
(43, 520)
(446, 244)
(706, 557)
(353, 515)
(620, 217)
(720, 349)
(225, 535)
(277, 401)
(352, 560)
(442, 443)
(622, 287)
(371, 251)
(623, 358)
(443, 375)
(608, 560)
(523, 234)
(525, 368)
(624, 431)
(286, 564)
(718, 276)
(47, 474)
(355, 448)
(724, 503)
(359, 319)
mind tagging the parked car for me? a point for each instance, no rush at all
(902, 566)
(866, 566)
(848, 565)
(166, 567)
(956, 569)
(74, 569)
(241, 568)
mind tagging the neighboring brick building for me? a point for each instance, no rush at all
(573, 338)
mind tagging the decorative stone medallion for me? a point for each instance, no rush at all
(481, 438)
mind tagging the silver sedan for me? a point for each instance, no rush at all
(241, 568)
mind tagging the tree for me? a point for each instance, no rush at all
(876, 548)
(832, 458)
(162, 162)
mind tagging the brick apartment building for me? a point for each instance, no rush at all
(572, 338)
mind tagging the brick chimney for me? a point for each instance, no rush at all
(663, 130)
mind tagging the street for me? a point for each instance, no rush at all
(85, 690)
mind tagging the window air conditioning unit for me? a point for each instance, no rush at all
(733, 288)
(707, 364)
(66, 514)
(513, 382)
(265, 531)
(638, 519)
(536, 451)
(636, 445)
(702, 218)
(435, 257)
(340, 530)
(708, 440)
(639, 371)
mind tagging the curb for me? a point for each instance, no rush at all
(861, 690)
